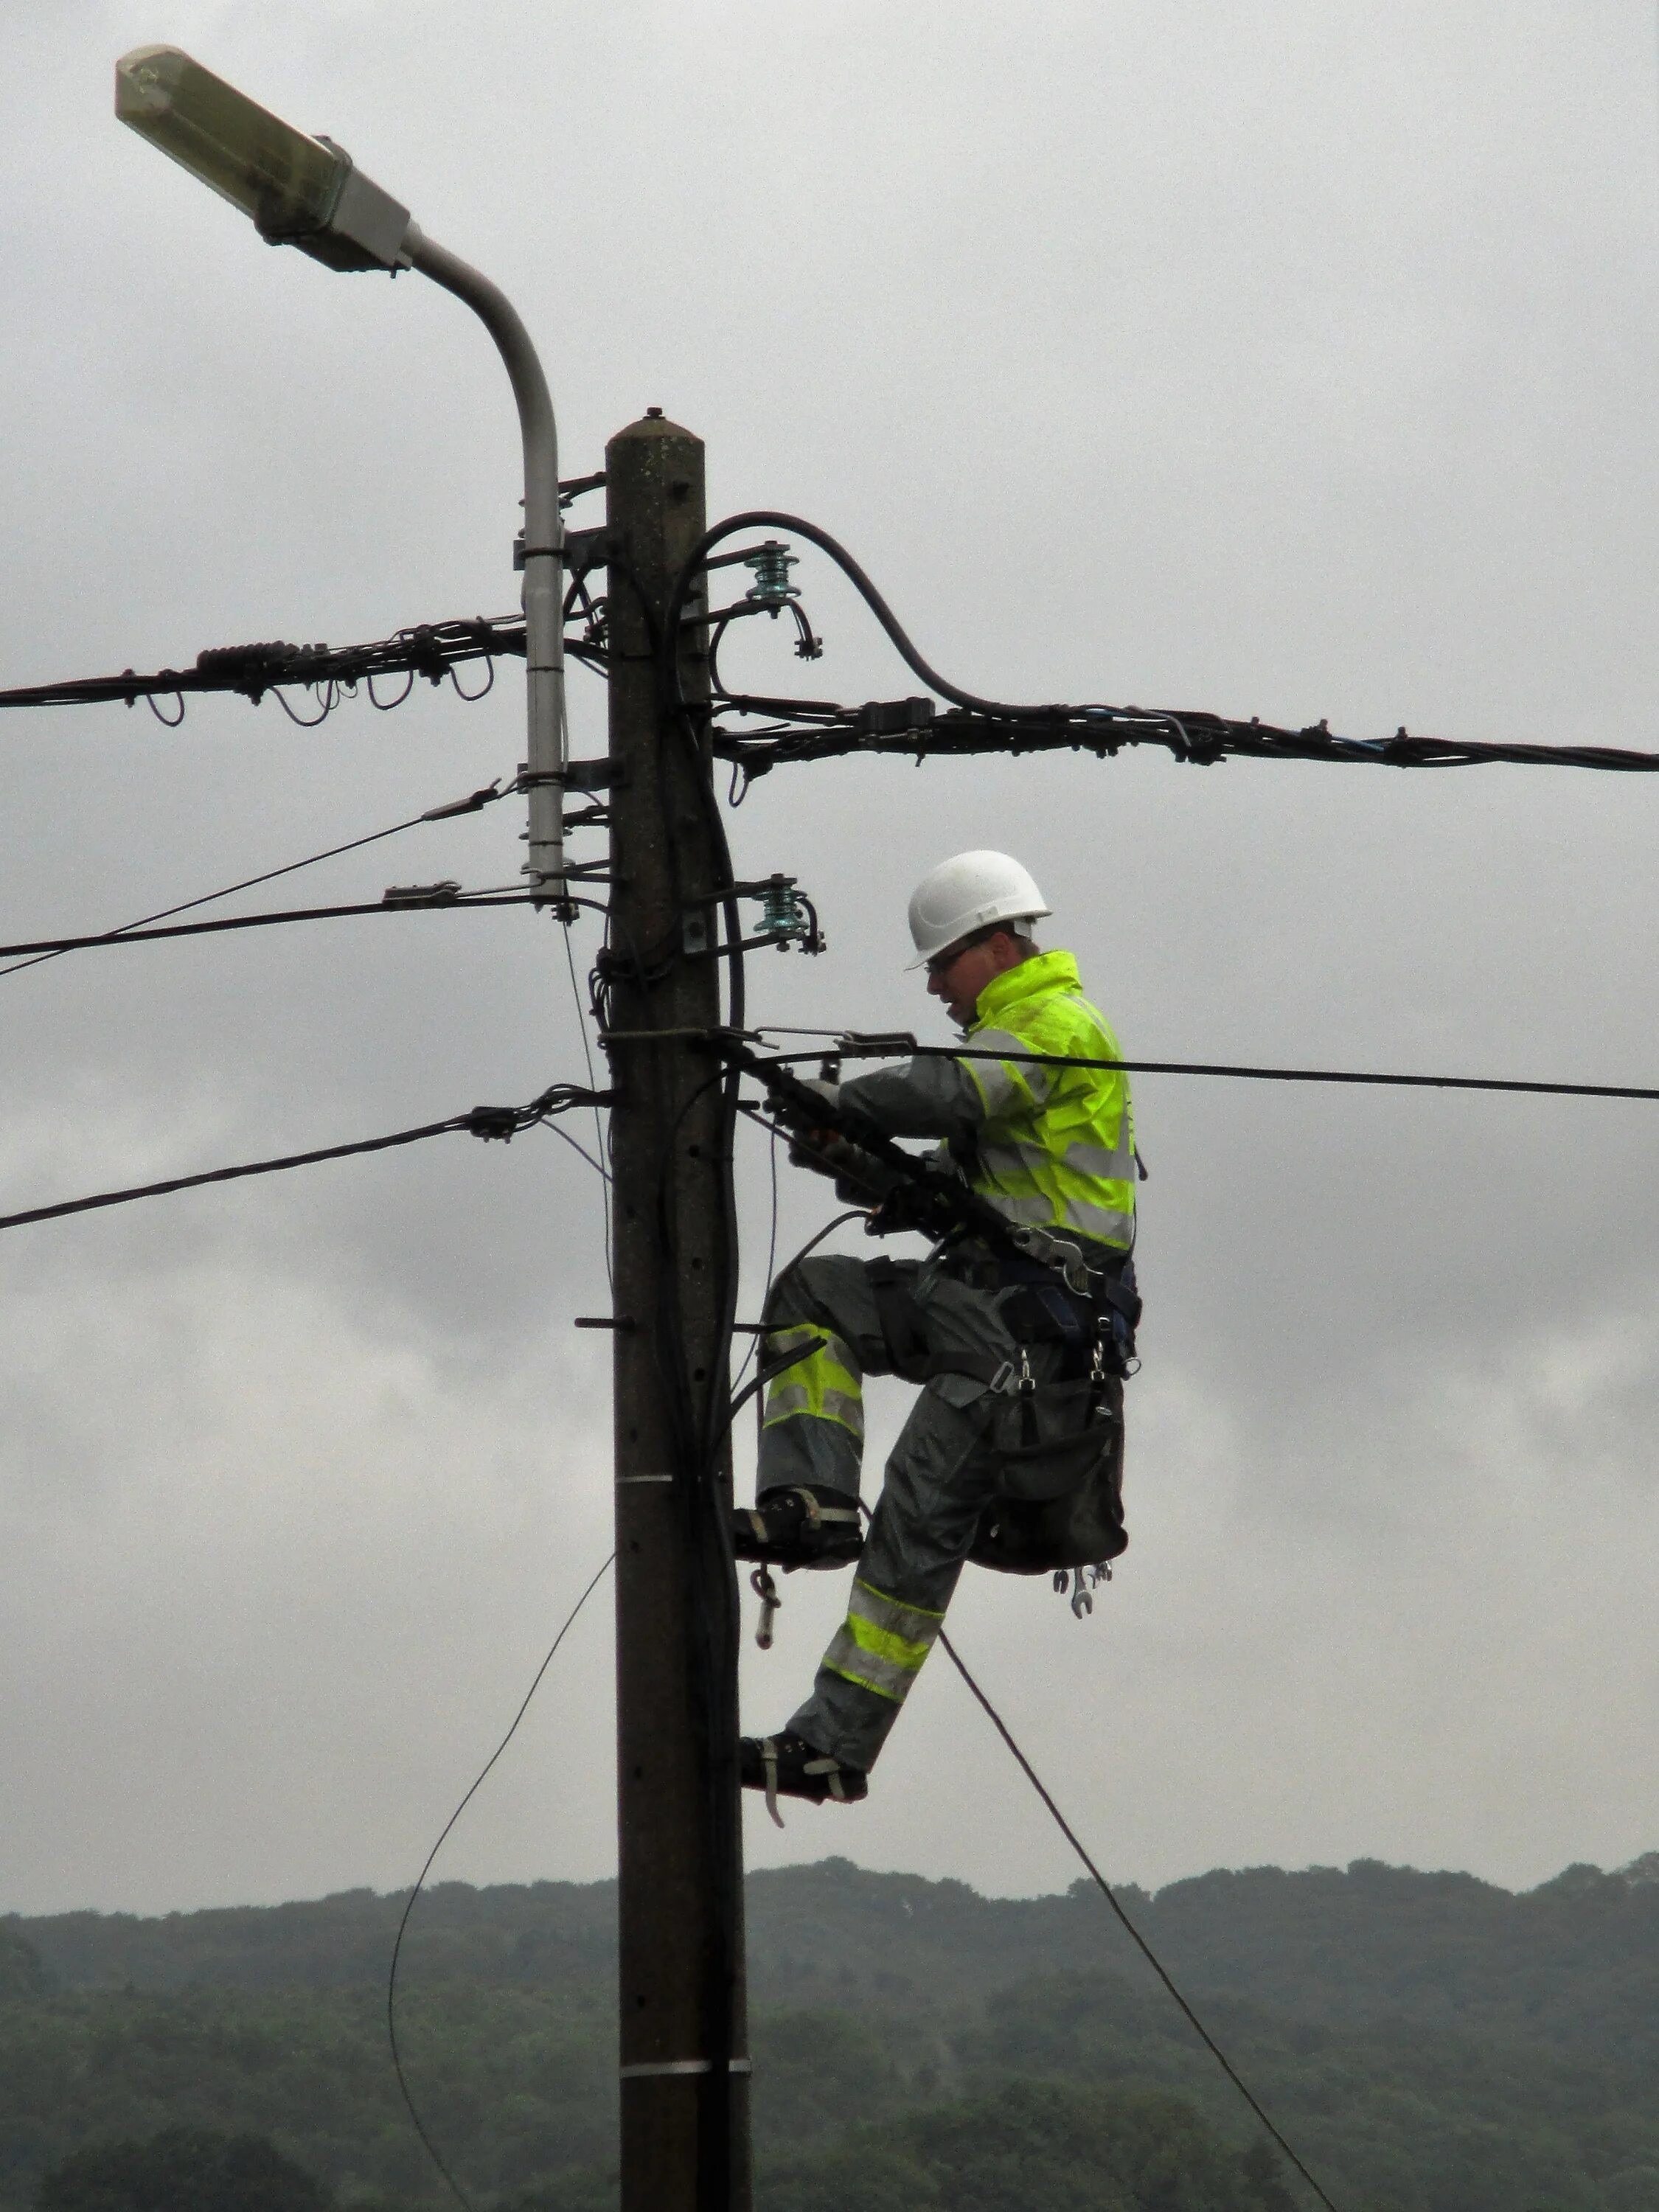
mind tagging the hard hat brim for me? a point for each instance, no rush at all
(1002, 921)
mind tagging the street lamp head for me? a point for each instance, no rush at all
(299, 191)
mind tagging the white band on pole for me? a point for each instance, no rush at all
(684, 2066)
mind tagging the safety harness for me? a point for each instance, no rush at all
(1058, 1440)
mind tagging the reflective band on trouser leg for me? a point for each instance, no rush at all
(825, 1385)
(882, 1643)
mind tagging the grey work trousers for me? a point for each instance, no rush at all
(939, 1477)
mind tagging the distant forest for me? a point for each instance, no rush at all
(1428, 2042)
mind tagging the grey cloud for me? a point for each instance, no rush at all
(1298, 363)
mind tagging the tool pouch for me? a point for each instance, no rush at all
(1059, 1496)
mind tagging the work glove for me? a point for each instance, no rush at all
(822, 1150)
(827, 1154)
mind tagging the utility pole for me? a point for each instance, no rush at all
(684, 2101)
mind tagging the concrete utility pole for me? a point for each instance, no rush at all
(684, 2101)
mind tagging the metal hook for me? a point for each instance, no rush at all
(766, 1590)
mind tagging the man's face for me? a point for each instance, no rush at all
(959, 973)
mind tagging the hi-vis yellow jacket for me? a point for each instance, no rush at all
(1053, 1147)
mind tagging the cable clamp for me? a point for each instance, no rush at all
(470, 804)
(890, 718)
(442, 894)
(602, 774)
(491, 1122)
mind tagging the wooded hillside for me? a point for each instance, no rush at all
(1431, 2043)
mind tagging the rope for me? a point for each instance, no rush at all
(1134, 1934)
(459, 2193)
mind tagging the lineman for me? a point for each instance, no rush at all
(1021, 1356)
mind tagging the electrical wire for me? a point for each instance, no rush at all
(766, 518)
(437, 898)
(771, 1257)
(498, 1122)
(981, 724)
(749, 1389)
(432, 2151)
(1134, 1934)
(599, 1125)
(582, 1152)
(808, 729)
(472, 804)
(887, 1049)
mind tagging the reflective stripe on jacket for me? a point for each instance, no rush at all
(1054, 1147)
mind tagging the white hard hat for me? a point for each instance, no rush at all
(967, 893)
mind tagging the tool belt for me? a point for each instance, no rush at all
(1058, 1441)
(1031, 1526)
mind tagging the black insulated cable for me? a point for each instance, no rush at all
(812, 729)
(889, 1048)
(766, 518)
(499, 1123)
(472, 804)
(432, 899)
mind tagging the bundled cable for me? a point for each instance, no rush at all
(800, 729)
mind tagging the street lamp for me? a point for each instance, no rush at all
(306, 192)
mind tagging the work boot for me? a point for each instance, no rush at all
(788, 1766)
(802, 1527)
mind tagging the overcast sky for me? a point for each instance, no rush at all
(1295, 361)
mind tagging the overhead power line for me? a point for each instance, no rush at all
(817, 729)
(432, 650)
(804, 729)
(419, 899)
(890, 1047)
(499, 1122)
(472, 804)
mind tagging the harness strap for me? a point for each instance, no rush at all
(903, 1331)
